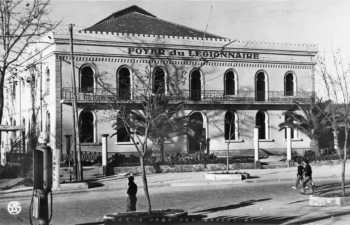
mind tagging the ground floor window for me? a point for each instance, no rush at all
(86, 127)
(123, 132)
(230, 126)
(261, 124)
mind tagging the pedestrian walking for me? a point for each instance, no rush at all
(300, 175)
(132, 190)
(308, 176)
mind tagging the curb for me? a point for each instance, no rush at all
(328, 201)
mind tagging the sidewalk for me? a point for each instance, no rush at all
(186, 179)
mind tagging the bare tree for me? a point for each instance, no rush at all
(149, 117)
(21, 23)
(336, 81)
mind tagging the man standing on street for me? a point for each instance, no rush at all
(132, 190)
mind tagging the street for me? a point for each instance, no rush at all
(270, 201)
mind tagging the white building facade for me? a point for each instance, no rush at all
(250, 83)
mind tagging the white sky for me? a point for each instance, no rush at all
(322, 22)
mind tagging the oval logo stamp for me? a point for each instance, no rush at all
(14, 207)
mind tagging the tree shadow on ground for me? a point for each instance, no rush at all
(234, 206)
(315, 219)
(248, 220)
(92, 223)
(252, 177)
(203, 219)
(94, 183)
(331, 187)
(299, 201)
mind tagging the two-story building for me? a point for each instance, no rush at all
(250, 83)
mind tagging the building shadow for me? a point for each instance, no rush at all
(234, 206)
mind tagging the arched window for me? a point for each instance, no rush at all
(47, 81)
(124, 83)
(195, 85)
(123, 132)
(48, 125)
(197, 132)
(230, 83)
(260, 86)
(230, 126)
(289, 84)
(261, 123)
(158, 81)
(86, 127)
(86, 79)
(286, 118)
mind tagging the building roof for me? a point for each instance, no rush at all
(136, 20)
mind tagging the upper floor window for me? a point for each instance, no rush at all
(260, 86)
(289, 84)
(47, 81)
(195, 85)
(230, 83)
(124, 83)
(158, 86)
(48, 125)
(86, 79)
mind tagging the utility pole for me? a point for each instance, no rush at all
(76, 141)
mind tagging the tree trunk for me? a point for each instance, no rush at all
(315, 148)
(145, 185)
(161, 148)
(344, 162)
(336, 141)
(1, 105)
(228, 157)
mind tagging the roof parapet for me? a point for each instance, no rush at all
(232, 43)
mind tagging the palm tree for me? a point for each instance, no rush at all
(310, 120)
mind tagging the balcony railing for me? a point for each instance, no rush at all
(101, 95)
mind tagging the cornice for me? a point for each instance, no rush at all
(217, 63)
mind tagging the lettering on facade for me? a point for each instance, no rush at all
(192, 53)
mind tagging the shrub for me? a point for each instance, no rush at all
(9, 171)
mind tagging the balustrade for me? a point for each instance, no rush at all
(101, 95)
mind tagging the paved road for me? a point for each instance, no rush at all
(260, 201)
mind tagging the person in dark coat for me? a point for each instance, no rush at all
(308, 176)
(132, 190)
(300, 175)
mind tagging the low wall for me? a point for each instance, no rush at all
(184, 168)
